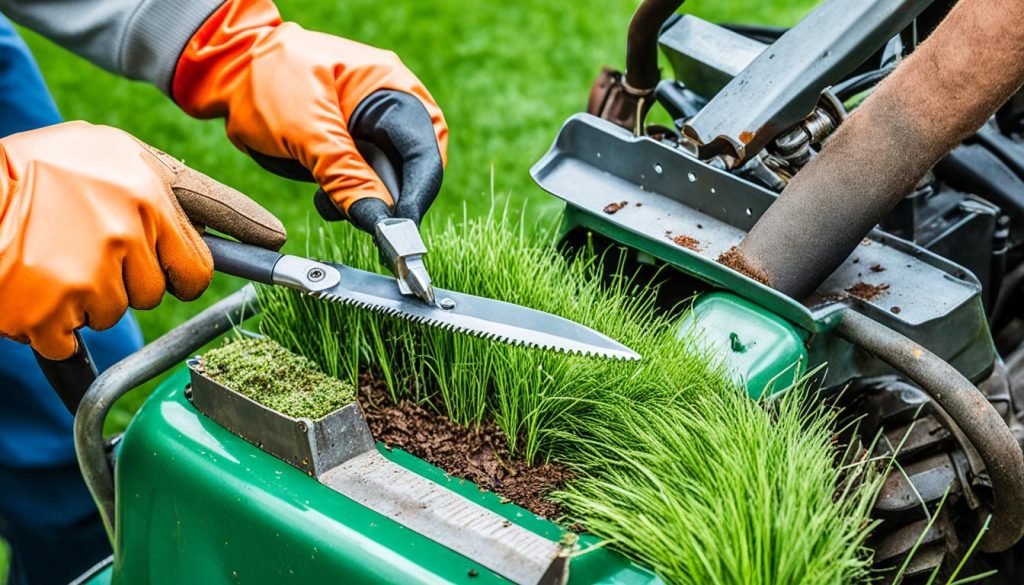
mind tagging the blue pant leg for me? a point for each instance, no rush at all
(25, 103)
(46, 513)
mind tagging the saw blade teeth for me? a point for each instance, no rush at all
(451, 327)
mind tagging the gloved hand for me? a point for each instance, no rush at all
(297, 102)
(93, 221)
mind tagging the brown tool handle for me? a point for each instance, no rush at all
(70, 377)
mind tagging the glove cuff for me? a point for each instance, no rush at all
(208, 68)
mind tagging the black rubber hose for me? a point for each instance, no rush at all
(967, 407)
(642, 73)
(848, 88)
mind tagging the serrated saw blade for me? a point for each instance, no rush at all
(473, 315)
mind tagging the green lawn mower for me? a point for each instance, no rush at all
(917, 336)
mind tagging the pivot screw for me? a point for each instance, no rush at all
(315, 274)
(447, 304)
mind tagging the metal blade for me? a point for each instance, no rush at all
(477, 316)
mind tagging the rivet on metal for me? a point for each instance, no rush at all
(447, 304)
(315, 274)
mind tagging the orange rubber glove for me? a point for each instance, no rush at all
(297, 101)
(92, 222)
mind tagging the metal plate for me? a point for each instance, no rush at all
(449, 519)
(594, 163)
(314, 446)
(340, 452)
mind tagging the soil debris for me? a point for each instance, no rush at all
(735, 259)
(867, 292)
(479, 454)
(877, 268)
(612, 208)
(688, 242)
(895, 310)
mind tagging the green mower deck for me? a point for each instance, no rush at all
(197, 504)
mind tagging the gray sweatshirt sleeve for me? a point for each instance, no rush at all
(139, 39)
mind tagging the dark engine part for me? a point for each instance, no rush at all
(889, 416)
(969, 209)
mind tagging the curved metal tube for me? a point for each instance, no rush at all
(642, 74)
(136, 369)
(966, 405)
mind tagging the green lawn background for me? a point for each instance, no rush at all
(506, 74)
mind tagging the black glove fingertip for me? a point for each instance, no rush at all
(325, 206)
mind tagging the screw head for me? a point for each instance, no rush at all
(447, 304)
(315, 274)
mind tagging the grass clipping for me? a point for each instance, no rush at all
(673, 465)
(266, 372)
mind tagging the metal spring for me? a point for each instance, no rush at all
(819, 125)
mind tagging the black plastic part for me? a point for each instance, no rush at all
(71, 377)
(855, 84)
(975, 169)
(242, 260)
(680, 102)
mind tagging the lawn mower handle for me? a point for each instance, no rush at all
(166, 352)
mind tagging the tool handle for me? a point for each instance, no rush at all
(70, 377)
(242, 260)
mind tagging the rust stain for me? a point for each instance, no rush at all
(611, 208)
(746, 137)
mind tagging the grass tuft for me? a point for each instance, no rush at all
(539, 399)
(674, 465)
(268, 373)
(724, 490)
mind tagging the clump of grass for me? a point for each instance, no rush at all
(271, 375)
(725, 490)
(675, 466)
(539, 399)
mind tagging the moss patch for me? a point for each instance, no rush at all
(268, 373)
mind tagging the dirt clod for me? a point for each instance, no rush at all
(688, 242)
(479, 454)
(895, 310)
(735, 259)
(611, 208)
(867, 292)
(877, 268)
